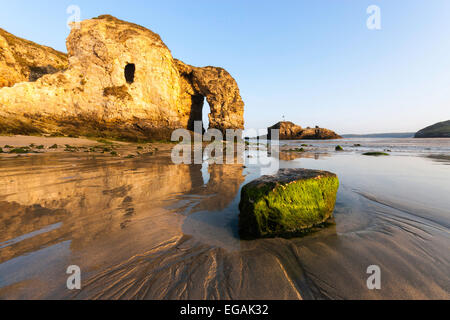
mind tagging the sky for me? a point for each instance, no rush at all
(313, 62)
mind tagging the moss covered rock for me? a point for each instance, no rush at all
(287, 204)
(375, 154)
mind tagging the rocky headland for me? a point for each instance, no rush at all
(118, 80)
(438, 130)
(291, 131)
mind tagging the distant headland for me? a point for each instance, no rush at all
(438, 130)
(381, 135)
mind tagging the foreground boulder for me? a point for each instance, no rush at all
(287, 204)
(291, 131)
(119, 80)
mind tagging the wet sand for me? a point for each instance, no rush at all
(144, 228)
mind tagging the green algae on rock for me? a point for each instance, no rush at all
(375, 154)
(21, 150)
(287, 204)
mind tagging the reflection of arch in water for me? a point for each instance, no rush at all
(215, 218)
(103, 200)
(222, 188)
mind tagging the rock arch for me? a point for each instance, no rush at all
(221, 92)
(93, 95)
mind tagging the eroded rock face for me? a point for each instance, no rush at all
(22, 60)
(121, 82)
(291, 131)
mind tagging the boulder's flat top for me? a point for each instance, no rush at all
(285, 176)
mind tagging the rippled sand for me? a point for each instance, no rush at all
(144, 228)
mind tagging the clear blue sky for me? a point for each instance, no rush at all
(313, 61)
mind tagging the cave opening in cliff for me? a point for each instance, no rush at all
(130, 69)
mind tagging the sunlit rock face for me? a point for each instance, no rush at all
(22, 60)
(122, 82)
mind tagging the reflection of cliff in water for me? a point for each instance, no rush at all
(84, 202)
(147, 229)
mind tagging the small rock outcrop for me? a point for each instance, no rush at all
(438, 130)
(287, 204)
(22, 60)
(291, 131)
(121, 81)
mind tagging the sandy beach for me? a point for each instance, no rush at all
(224, 159)
(144, 228)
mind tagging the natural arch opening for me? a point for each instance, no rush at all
(130, 69)
(205, 116)
(199, 112)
